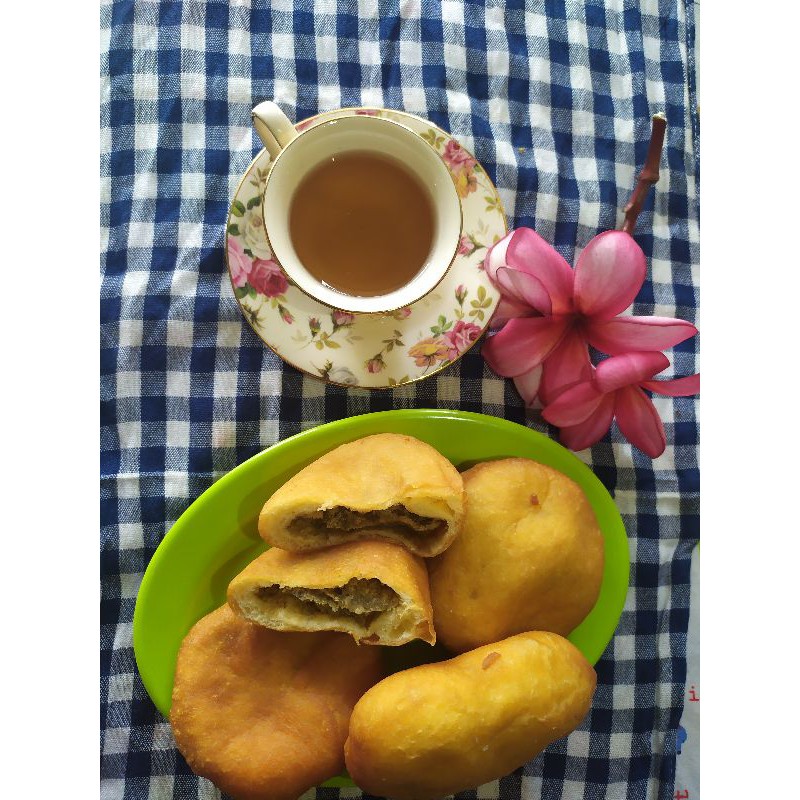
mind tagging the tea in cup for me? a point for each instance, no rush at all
(360, 212)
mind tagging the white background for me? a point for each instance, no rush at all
(50, 343)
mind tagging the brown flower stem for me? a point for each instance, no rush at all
(649, 174)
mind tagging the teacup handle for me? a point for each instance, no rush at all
(273, 127)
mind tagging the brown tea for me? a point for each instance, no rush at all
(362, 224)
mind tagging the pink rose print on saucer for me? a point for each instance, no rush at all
(462, 167)
(466, 246)
(251, 277)
(461, 338)
(456, 157)
(240, 263)
(376, 364)
(267, 278)
(342, 319)
(402, 313)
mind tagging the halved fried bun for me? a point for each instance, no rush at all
(387, 486)
(375, 591)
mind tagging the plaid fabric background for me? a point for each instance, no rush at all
(555, 101)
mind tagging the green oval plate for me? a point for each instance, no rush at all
(217, 536)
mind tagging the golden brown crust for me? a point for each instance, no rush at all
(434, 730)
(391, 564)
(262, 714)
(529, 557)
(374, 473)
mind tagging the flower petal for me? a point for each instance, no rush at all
(510, 309)
(573, 405)
(523, 344)
(528, 384)
(609, 274)
(528, 252)
(623, 334)
(675, 387)
(496, 256)
(628, 370)
(639, 421)
(592, 429)
(567, 365)
(524, 288)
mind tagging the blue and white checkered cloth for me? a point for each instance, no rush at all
(555, 100)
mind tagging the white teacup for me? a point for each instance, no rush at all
(294, 154)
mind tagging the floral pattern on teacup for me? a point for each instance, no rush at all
(369, 350)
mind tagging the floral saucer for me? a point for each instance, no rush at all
(369, 350)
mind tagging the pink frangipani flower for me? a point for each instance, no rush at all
(550, 313)
(615, 388)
